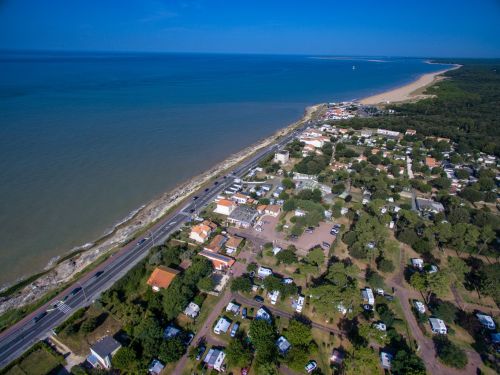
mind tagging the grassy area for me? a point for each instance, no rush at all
(41, 359)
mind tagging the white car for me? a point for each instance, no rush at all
(311, 366)
(419, 306)
(380, 292)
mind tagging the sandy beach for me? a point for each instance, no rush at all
(410, 92)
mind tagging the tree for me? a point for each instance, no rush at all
(338, 188)
(407, 363)
(459, 215)
(267, 369)
(263, 338)
(362, 361)
(458, 269)
(171, 350)
(289, 205)
(125, 359)
(316, 256)
(445, 310)
(369, 333)
(449, 353)
(298, 333)
(238, 354)
(287, 183)
(89, 325)
(242, 284)
(207, 283)
(385, 265)
(471, 194)
(286, 256)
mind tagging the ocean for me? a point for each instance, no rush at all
(86, 138)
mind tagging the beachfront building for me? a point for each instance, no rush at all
(225, 207)
(102, 352)
(242, 216)
(162, 277)
(201, 232)
(219, 262)
(282, 157)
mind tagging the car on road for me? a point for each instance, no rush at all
(258, 299)
(311, 366)
(244, 313)
(207, 189)
(191, 210)
(141, 242)
(216, 183)
(75, 291)
(37, 318)
(98, 273)
(195, 197)
(234, 330)
(201, 351)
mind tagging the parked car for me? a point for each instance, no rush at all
(388, 297)
(98, 273)
(234, 330)
(259, 299)
(141, 242)
(419, 306)
(75, 291)
(189, 338)
(39, 316)
(244, 313)
(201, 351)
(311, 366)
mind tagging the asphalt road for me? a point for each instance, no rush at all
(21, 336)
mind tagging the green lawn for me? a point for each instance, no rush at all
(40, 362)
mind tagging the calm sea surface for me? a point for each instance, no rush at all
(87, 138)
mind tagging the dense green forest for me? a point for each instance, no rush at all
(465, 108)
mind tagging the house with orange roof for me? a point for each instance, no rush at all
(261, 208)
(233, 243)
(216, 244)
(219, 261)
(410, 132)
(240, 198)
(431, 162)
(162, 277)
(201, 232)
(225, 207)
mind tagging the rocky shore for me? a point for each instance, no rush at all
(65, 271)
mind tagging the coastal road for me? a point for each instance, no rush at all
(21, 336)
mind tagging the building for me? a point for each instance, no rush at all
(156, 367)
(417, 263)
(368, 296)
(162, 277)
(272, 210)
(225, 207)
(215, 359)
(215, 246)
(201, 232)
(233, 243)
(263, 314)
(388, 133)
(386, 360)
(438, 326)
(192, 310)
(486, 321)
(428, 205)
(222, 325)
(240, 198)
(102, 352)
(299, 304)
(242, 216)
(273, 296)
(220, 262)
(431, 162)
(282, 157)
(283, 345)
(411, 132)
(170, 332)
(263, 272)
(233, 308)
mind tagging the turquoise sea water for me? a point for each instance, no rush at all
(86, 138)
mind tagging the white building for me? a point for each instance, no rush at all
(283, 345)
(263, 272)
(263, 314)
(192, 310)
(438, 326)
(385, 360)
(486, 321)
(417, 263)
(102, 352)
(222, 326)
(300, 304)
(368, 296)
(282, 157)
(233, 308)
(273, 296)
(215, 359)
(225, 207)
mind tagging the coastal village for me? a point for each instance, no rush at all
(350, 250)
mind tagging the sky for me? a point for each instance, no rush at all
(423, 28)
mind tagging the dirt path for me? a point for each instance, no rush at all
(426, 346)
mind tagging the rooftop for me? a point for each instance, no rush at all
(162, 277)
(105, 346)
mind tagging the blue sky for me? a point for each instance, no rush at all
(460, 28)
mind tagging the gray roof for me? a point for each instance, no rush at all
(105, 346)
(428, 204)
(243, 214)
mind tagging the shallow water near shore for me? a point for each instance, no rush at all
(87, 138)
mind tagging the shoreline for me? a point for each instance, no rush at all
(62, 269)
(412, 91)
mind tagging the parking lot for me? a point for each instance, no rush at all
(305, 242)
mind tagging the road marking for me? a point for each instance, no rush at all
(65, 309)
